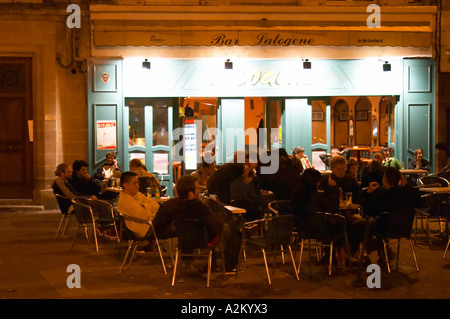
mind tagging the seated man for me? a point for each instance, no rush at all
(394, 195)
(81, 182)
(186, 206)
(299, 153)
(135, 204)
(205, 170)
(61, 186)
(340, 179)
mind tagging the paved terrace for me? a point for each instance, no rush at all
(33, 266)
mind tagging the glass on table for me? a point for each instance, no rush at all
(348, 198)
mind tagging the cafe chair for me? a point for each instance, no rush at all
(275, 237)
(133, 241)
(281, 207)
(85, 219)
(64, 204)
(400, 225)
(430, 212)
(433, 180)
(322, 230)
(106, 216)
(192, 241)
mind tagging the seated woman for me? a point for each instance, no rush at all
(152, 182)
(419, 162)
(373, 172)
(388, 160)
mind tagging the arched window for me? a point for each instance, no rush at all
(363, 123)
(340, 120)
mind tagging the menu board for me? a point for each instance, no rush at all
(106, 135)
(190, 145)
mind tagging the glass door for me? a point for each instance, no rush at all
(149, 136)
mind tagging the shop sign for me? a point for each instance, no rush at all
(416, 38)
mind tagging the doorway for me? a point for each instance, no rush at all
(16, 113)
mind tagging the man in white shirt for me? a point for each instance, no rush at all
(135, 204)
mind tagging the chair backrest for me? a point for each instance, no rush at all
(323, 226)
(83, 212)
(279, 230)
(400, 223)
(281, 207)
(428, 180)
(64, 203)
(191, 234)
(104, 209)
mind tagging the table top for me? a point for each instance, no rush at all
(414, 171)
(235, 210)
(352, 206)
(435, 189)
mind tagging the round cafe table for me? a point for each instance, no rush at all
(440, 190)
(413, 171)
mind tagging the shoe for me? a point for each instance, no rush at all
(99, 232)
(110, 234)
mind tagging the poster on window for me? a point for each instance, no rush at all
(161, 163)
(106, 135)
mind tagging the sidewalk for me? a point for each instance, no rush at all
(33, 265)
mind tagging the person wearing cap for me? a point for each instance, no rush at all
(299, 152)
(390, 161)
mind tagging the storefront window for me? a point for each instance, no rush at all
(341, 123)
(136, 125)
(319, 124)
(160, 117)
(275, 123)
(363, 123)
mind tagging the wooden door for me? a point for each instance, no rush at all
(16, 110)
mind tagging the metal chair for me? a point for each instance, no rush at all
(430, 212)
(433, 179)
(134, 240)
(276, 234)
(64, 204)
(85, 218)
(281, 207)
(106, 214)
(192, 241)
(322, 230)
(400, 225)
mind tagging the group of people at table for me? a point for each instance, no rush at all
(380, 187)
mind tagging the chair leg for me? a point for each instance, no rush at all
(60, 224)
(208, 276)
(446, 248)
(293, 261)
(414, 255)
(133, 254)
(331, 258)
(130, 247)
(267, 267)
(301, 255)
(67, 225)
(175, 267)
(161, 256)
(95, 237)
(386, 256)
